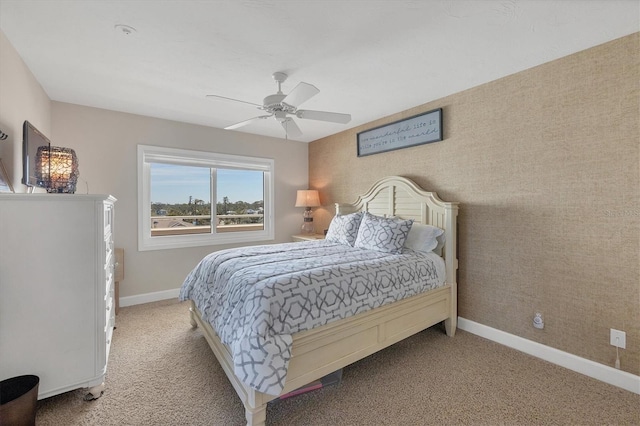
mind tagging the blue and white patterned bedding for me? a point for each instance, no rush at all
(257, 297)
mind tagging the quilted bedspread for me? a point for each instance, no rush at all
(257, 297)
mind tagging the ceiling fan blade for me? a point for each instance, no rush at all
(291, 128)
(235, 100)
(301, 93)
(334, 117)
(245, 122)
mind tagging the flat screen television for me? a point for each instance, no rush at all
(32, 139)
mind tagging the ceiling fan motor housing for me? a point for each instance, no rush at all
(273, 104)
(273, 101)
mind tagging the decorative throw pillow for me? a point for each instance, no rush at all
(423, 237)
(440, 246)
(382, 234)
(343, 229)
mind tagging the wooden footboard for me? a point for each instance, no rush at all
(320, 351)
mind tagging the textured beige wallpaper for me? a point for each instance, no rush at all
(545, 164)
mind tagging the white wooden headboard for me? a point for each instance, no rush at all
(399, 196)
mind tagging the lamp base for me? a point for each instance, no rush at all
(63, 189)
(308, 228)
(307, 225)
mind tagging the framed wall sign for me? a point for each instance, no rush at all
(416, 130)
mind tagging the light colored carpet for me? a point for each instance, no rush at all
(162, 372)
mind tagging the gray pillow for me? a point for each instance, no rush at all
(382, 234)
(343, 229)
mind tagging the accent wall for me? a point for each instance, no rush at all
(545, 165)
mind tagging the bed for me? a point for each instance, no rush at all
(311, 353)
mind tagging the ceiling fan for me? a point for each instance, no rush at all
(281, 106)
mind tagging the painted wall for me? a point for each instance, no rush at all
(21, 98)
(545, 165)
(106, 142)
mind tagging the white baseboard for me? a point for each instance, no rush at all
(601, 372)
(149, 297)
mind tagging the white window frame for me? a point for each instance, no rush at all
(148, 154)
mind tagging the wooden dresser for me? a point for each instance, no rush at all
(57, 308)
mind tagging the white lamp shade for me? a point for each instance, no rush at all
(307, 198)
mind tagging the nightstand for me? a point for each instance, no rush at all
(307, 237)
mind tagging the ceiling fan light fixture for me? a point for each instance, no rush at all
(280, 106)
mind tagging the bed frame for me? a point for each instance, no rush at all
(323, 350)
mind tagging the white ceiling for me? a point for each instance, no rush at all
(368, 58)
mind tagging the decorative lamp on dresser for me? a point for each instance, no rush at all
(57, 309)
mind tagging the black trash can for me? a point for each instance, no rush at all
(18, 398)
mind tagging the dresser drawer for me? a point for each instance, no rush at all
(109, 310)
(108, 219)
(109, 252)
(109, 286)
(109, 265)
(108, 338)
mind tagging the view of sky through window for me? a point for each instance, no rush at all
(173, 184)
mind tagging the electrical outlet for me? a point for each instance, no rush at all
(538, 321)
(618, 338)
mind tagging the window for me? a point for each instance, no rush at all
(193, 198)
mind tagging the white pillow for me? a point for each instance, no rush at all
(382, 234)
(343, 229)
(438, 249)
(424, 238)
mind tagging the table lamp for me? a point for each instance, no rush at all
(308, 198)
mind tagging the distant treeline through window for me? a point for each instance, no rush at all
(186, 195)
(178, 189)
